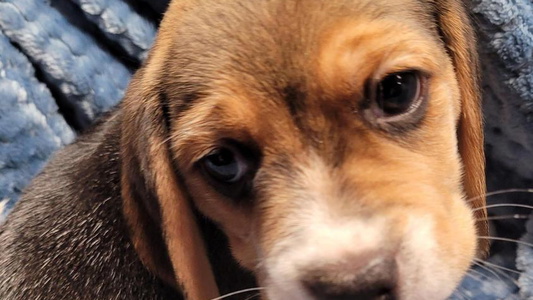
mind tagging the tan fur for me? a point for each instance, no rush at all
(337, 161)
(462, 46)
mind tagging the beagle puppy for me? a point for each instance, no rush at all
(325, 149)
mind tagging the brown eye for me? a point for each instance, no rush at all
(397, 93)
(225, 165)
(230, 169)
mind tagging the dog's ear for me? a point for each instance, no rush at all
(459, 38)
(158, 210)
(156, 206)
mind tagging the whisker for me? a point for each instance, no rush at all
(495, 268)
(478, 277)
(504, 205)
(461, 294)
(507, 269)
(239, 292)
(506, 191)
(505, 217)
(252, 296)
(471, 275)
(478, 273)
(505, 240)
(486, 268)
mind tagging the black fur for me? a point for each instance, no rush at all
(67, 238)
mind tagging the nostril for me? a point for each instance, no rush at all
(377, 282)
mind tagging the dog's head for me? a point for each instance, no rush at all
(337, 144)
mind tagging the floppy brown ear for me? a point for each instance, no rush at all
(458, 35)
(158, 210)
(156, 206)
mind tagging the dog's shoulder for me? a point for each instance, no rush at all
(66, 238)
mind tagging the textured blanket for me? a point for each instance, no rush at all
(65, 62)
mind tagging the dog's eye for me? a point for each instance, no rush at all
(225, 165)
(397, 93)
(230, 169)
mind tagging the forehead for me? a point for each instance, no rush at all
(275, 66)
(275, 43)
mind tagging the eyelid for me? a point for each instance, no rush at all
(406, 62)
(380, 76)
(204, 152)
(212, 147)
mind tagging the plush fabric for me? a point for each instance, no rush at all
(525, 263)
(86, 78)
(65, 62)
(506, 35)
(31, 128)
(118, 21)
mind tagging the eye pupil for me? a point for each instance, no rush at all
(396, 93)
(223, 165)
(222, 157)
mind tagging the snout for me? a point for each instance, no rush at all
(382, 243)
(364, 259)
(371, 276)
(337, 260)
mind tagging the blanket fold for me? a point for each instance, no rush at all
(31, 128)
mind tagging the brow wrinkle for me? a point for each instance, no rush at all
(295, 99)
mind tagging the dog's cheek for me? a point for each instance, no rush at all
(438, 248)
(243, 251)
(457, 236)
(235, 221)
(237, 226)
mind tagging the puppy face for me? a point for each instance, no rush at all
(321, 136)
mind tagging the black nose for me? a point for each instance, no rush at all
(375, 282)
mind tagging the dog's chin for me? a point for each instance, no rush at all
(290, 289)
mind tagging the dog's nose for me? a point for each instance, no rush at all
(376, 281)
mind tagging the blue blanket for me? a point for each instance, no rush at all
(63, 63)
